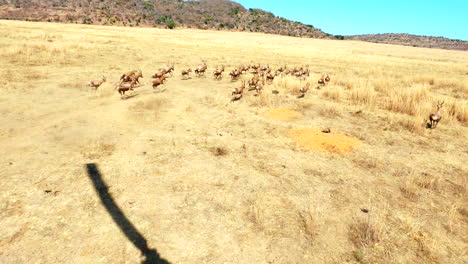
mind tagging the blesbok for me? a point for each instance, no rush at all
(237, 92)
(255, 66)
(304, 90)
(253, 82)
(244, 68)
(126, 86)
(127, 77)
(186, 73)
(321, 81)
(218, 73)
(159, 74)
(169, 69)
(437, 116)
(327, 78)
(96, 83)
(270, 77)
(235, 74)
(259, 86)
(158, 81)
(200, 70)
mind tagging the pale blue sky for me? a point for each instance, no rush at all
(448, 18)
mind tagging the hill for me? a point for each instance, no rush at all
(206, 14)
(185, 173)
(413, 40)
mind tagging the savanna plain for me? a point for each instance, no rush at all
(207, 180)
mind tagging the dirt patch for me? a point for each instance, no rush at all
(314, 139)
(97, 150)
(283, 114)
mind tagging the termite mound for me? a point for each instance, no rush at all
(315, 139)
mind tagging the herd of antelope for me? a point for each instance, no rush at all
(262, 76)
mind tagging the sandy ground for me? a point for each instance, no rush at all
(200, 179)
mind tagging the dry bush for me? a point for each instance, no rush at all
(218, 151)
(407, 100)
(383, 85)
(329, 111)
(424, 80)
(369, 238)
(332, 92)
(289, 84)
(456, 110)
(363, 95)
(346, 84)
(364, 234)
(416, 124)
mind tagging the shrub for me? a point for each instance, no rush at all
(171, 24)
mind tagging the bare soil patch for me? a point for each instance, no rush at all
(314, 139)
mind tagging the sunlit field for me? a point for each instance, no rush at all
(204, 179)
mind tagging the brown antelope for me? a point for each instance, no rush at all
(169, 70)
(159, 74)
(126, 86)
(270, 77)
(218, 73)
(435, 118)
(186, 73)
(200, 70)
(259, 86)
(127, 77)
(327, 78)
(253, 82)
(237, 92)
(235, 74)
(96, 83)
(244, 68)
(321, 81)
(158, 81)
(304, 90)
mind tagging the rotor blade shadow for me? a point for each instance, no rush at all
(138, 240)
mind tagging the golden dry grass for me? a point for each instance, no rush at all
(205, 180)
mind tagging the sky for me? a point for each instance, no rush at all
(446, 18)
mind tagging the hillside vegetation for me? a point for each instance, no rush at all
(205, 14)
(203, 179)
(413, 40)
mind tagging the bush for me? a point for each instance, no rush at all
(234, 11)
(339, 37)
(148, 5)
(171, 24)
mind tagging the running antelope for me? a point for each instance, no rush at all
(158, 81)
(186, 73)
(321, 81)
(124, 87)
(200, 70)
(218, 73)
(97, 83)
(129, 76)
(235, 74)
(237, 92)
(304, 90)
(253, 82)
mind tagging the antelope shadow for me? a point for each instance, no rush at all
(130, 231)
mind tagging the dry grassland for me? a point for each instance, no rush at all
(205, 180)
